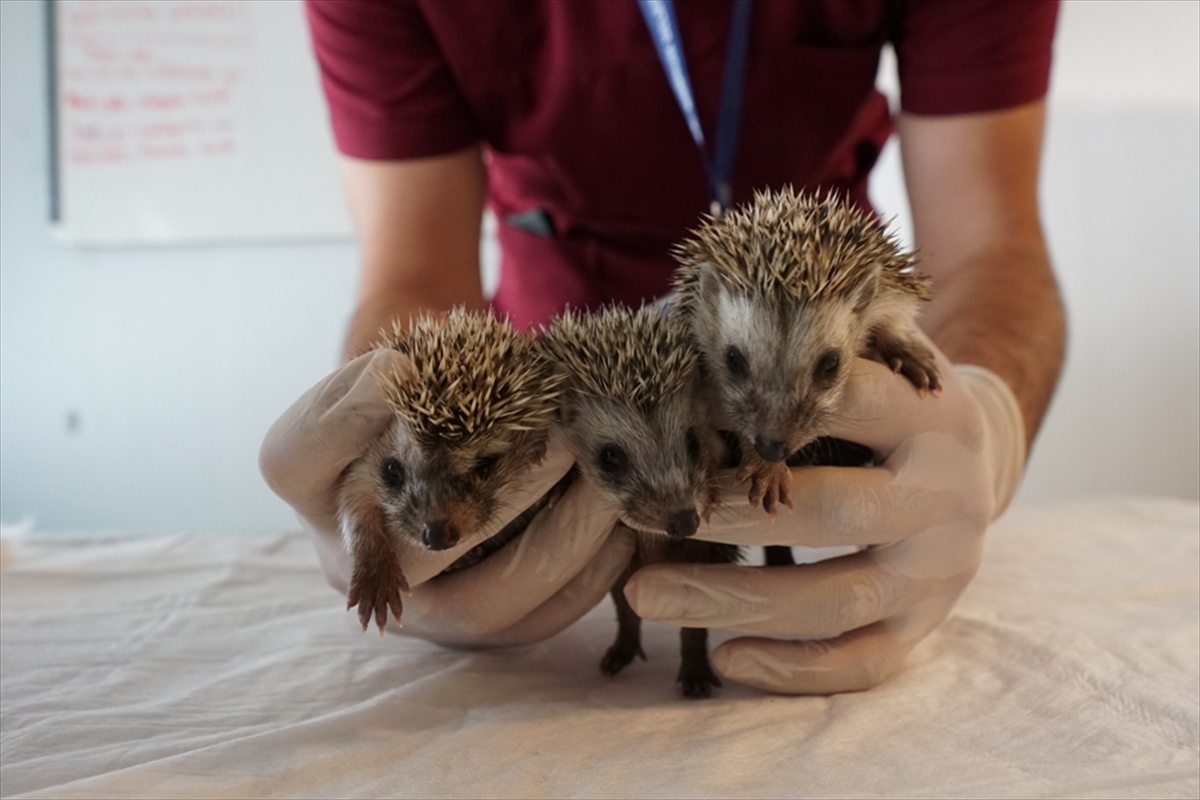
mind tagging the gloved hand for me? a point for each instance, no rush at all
(562, 566)
(946, 466)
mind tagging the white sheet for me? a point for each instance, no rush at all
(213, 666)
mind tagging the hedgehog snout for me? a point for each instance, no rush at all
(682, 524)
(440, 534)
(771, 448)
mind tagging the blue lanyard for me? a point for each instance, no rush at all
(664, 30)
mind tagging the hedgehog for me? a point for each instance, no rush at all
(781, 295)
(471, 416)
(634, 417)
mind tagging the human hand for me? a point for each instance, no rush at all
(947, 465)
(564, 563)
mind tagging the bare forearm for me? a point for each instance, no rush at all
(1003, 311)
(418, 224)
(972, 184)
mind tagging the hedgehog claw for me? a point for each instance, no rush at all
(756, 494)
(783, 495)
(768, 504)
(777, 478)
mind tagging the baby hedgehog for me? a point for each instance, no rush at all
(472, 415)
(636, 421)
(782, 294)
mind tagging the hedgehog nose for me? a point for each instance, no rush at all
(440, 534)
(682, 524)
(770, 449)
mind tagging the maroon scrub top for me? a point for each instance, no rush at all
(591, 168)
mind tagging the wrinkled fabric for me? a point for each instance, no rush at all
(196, 665)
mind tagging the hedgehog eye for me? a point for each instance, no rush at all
(735, 362)
(828, 366)
(612, 460)
(392, 473)
(693, 446)
(486, 465)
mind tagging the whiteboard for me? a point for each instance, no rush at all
(189, 121)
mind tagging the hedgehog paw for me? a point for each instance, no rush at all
(375, 591)
(769, 485)
(758, 491)
(697, 679)
(620, 656)
(908, 356)
(781, 478)
(921, 370)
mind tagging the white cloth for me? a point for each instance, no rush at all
(200, 665)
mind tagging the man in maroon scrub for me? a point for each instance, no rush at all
(562, 118)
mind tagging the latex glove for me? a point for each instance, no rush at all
(561, 567)
(947, 464)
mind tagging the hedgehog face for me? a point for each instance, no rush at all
(633, 414)
(782, 293)
(779, 366)
(473, 410)
(443, 492)
(654, 463)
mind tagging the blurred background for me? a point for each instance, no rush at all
(142, 359)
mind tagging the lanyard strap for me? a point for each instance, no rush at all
(664, 30)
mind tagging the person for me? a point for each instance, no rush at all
(561, 118)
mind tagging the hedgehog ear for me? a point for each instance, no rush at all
(567, 413)
(865, 292)
(710, 284)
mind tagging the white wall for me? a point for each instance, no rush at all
(1121, 192)
(1121, 208)
(135, 385)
